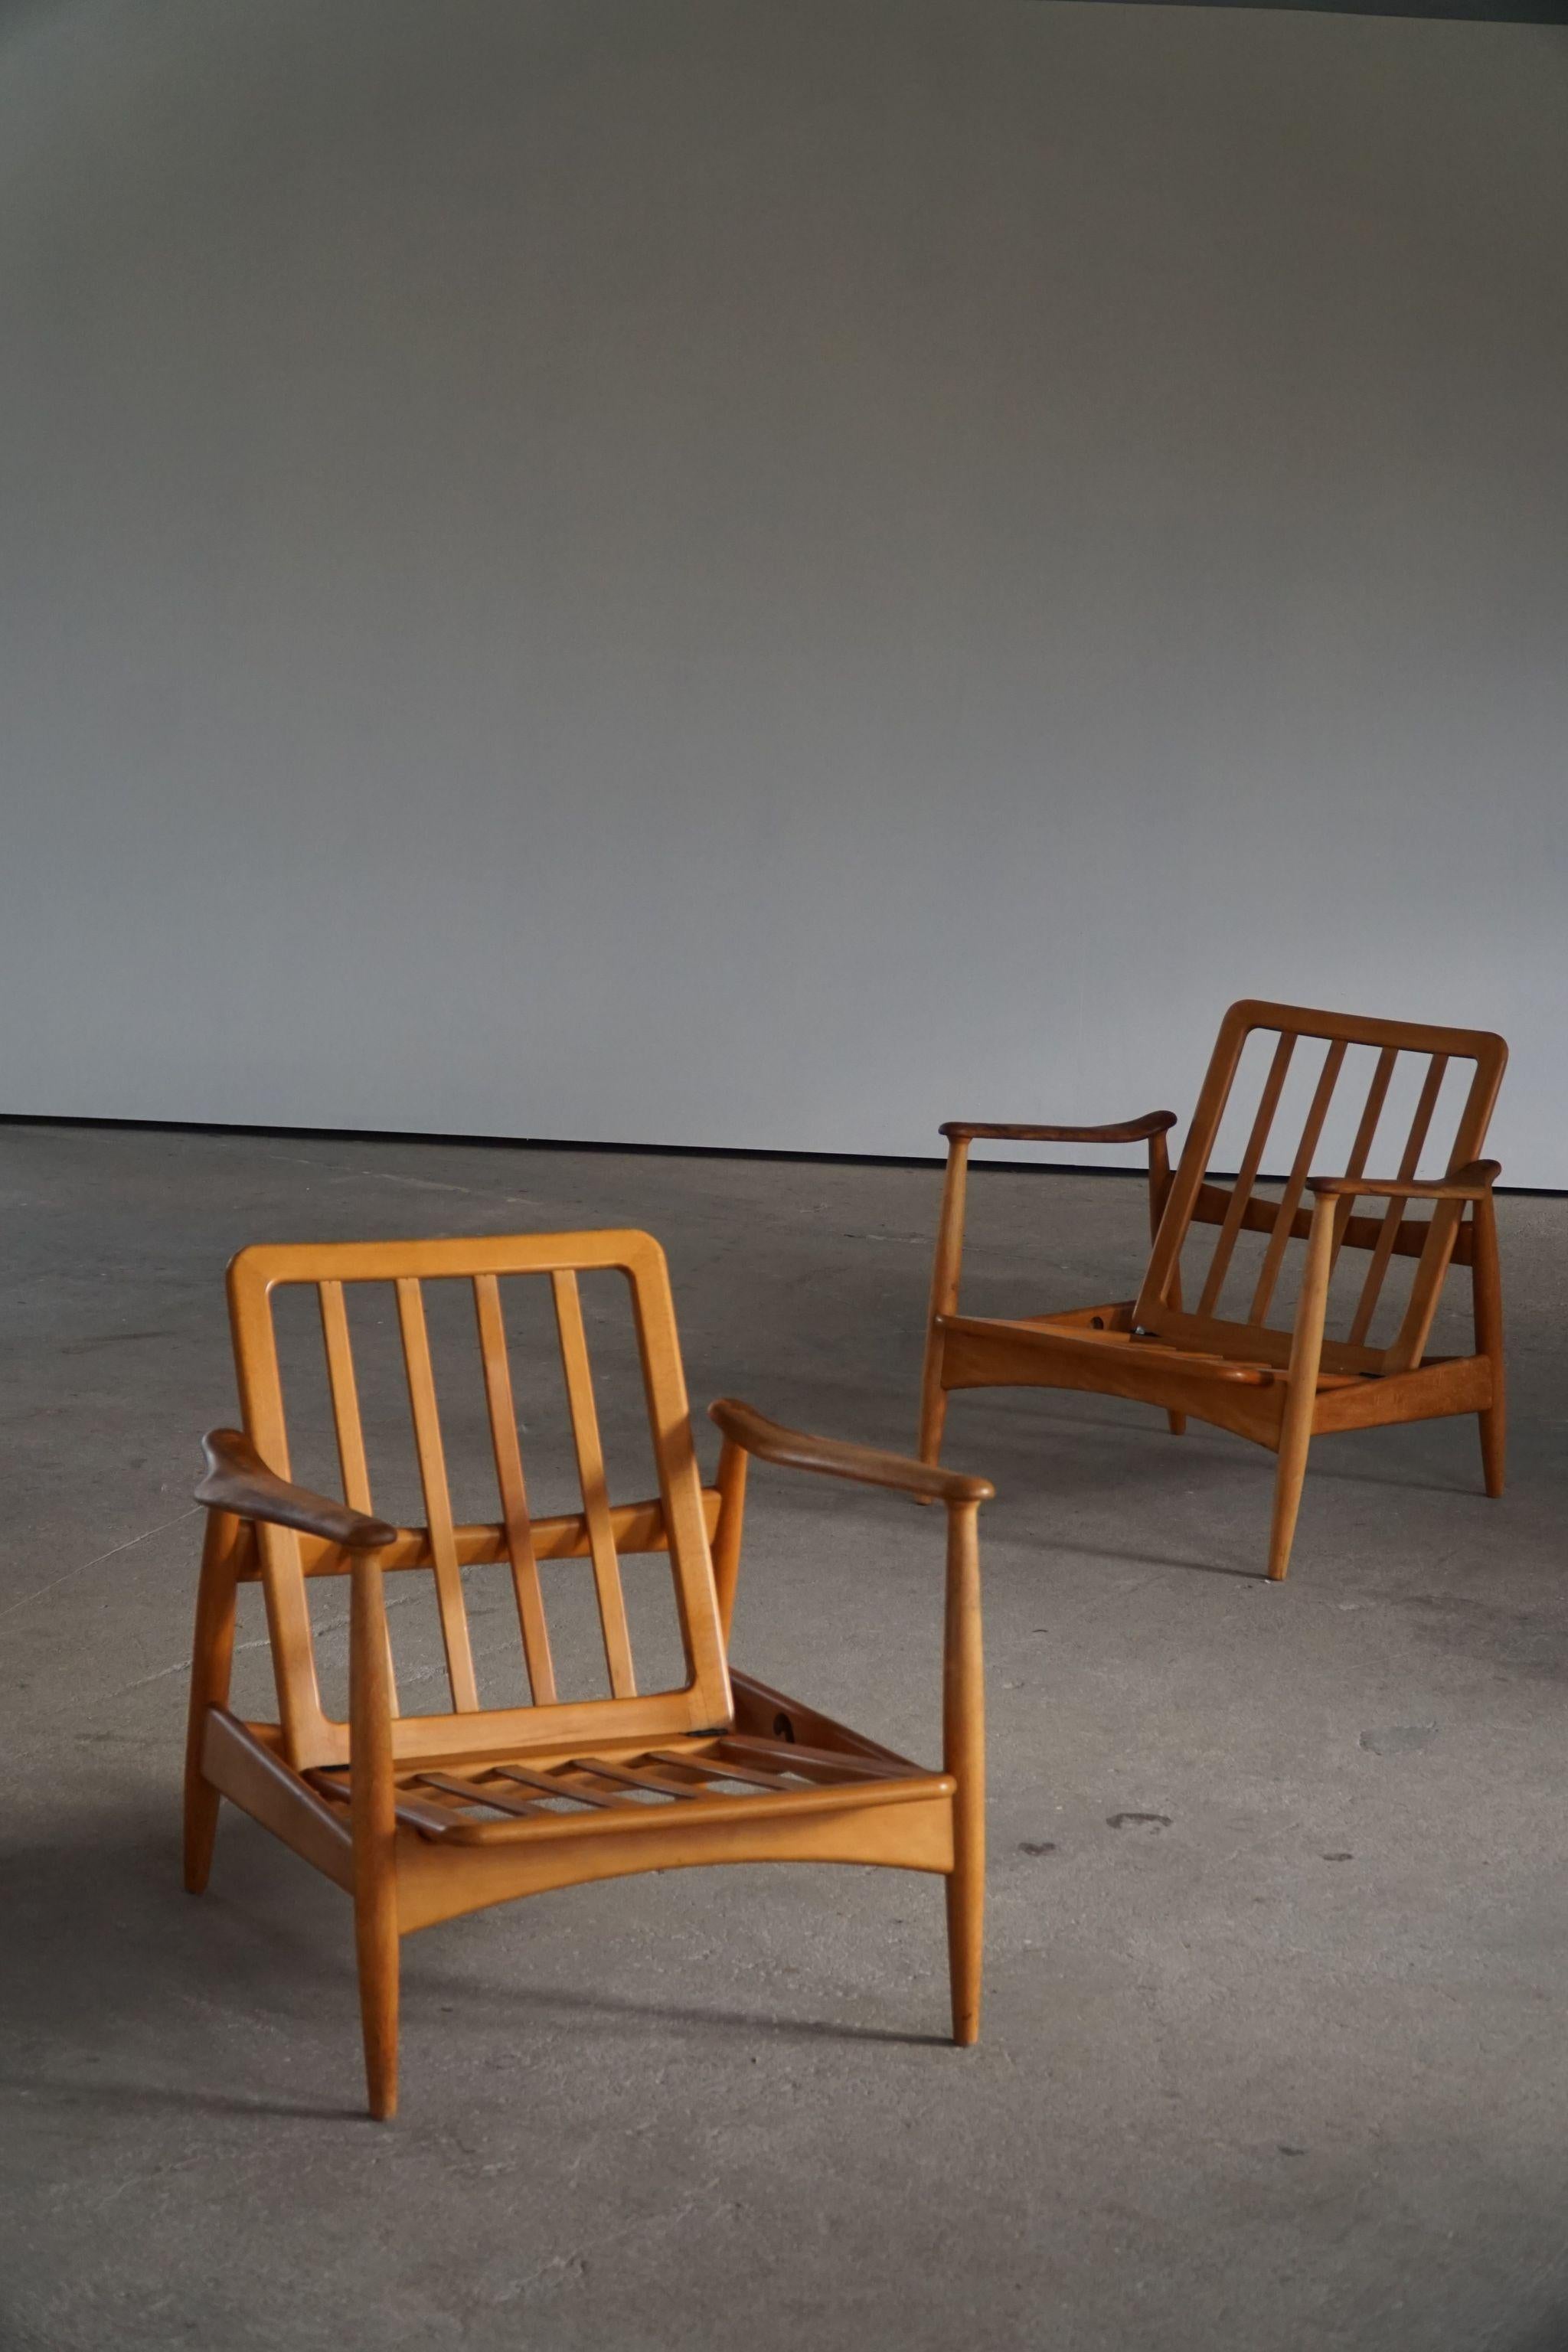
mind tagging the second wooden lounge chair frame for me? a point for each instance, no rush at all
(1281, 1386)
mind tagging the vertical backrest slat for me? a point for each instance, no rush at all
(346, 1422)
(282, 1583)
(1410, 1343)
(1296, 1184)
(1246, 1176)
(590, 1478)
(437, 1499)
(1383, 1248)
(345, 1397)
(515, 1512)
(1161, 1277)
(1376, 1096)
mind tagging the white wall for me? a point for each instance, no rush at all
(770, 572)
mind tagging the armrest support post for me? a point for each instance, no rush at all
(733, 1462)
(944, 1278)
(1159, 1179)
(963, 1756)
(372, 1800)
(963, 1687)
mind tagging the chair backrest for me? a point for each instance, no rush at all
(677, 1523)
(1446, 1109)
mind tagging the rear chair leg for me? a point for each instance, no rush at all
(934, 1404)
(202, 1804)
(1487, 1278)
(1494, 1436)
(212, 1659)
(1178, 1421)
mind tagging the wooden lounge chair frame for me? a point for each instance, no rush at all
(424, 1817)
(1279, 1386)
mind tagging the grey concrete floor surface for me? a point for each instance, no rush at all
(1273, 2050)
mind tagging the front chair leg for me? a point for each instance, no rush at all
(963, 1755)
(965, 1942)
(1300, 1405)
(375, 1940)
(372, 1800)
(1288, 1485)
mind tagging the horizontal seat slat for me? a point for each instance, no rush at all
(812, 1762)
(549, 1786)
(629, 1778)
(472, 1792)
(721, 1766)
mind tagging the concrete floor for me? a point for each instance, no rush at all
(1280, 2062)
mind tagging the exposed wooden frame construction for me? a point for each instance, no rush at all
(1279, 1385)
(423, 1817)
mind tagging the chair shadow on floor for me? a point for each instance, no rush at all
(118, 1977)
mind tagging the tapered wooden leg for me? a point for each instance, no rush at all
(1287, 1484)
(963, 1755)
(372, 1798)
(1494, 1435)
(212, 1658)
(1489, 1342)
(1306, 1354)
(375, 1941)
(966, 1944)
(943, 1297)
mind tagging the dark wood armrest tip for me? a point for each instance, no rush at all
(793, 1449)
(1126, 1130)
(238, 1480)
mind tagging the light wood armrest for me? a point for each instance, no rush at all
(238, 1480)
(1128, 1130)
(1470, 1182)
(793, 1450)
